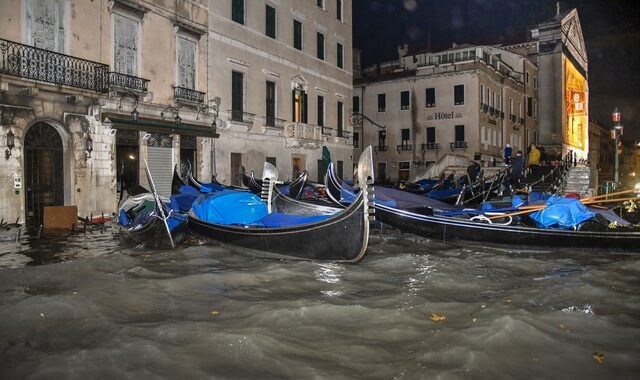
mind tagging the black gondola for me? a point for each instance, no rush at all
(342, 236)
(141, 221)
(423, 222)
(293, 189)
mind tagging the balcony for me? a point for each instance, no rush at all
(521, 121)
(184, 94)
(241, 116)
(51, 67)
(513, 118)
(326, 131)
(430, 146)
(404, 148)
(492, 111)
(273, 122)
(118, 81)
(382, 148)
(485, 107)
(458, 145)
(301, 131)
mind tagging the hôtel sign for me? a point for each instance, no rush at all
(444, 116)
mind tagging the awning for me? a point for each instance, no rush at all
(119, 121)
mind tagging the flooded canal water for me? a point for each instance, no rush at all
(88, 307)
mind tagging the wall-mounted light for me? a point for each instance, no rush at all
(88, 146)
(11, 143)
(214, 109)
(136, 98)
(174, 111)
(146, 136)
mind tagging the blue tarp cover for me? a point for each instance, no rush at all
(538, 196)
(229, 207)
(182, 202)
(562, 213)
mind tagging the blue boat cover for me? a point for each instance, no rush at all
(186, 189)
(562, 212)
(538, 196)
(182, 202)
(229, 207)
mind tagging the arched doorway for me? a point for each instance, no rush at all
(43, 168)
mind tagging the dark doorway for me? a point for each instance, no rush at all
(127, 155)
(188, 151)
(44, 177)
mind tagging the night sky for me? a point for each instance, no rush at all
(611, 31)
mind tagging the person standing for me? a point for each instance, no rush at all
(506, 154)
(517, 165)
(534, 160)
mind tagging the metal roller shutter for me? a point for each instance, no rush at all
(160, 161)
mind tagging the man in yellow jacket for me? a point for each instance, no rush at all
(534, 160)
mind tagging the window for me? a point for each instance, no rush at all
(237, 95)
(458, 94)
(45, 24)
(339, 9)
(297, 34)
(459, 133)
(404, 170)
(321, 110)
(186, 63)
(340, 55)
(340, 169)
(270, 104)
(299, 106)
(320, 3)
(431, 135)
(125, 57)
(535, 81)
(340, 117)
(526, 77)
(529, 106)
(431, 97)
(382, 102)
(356, 139)
(535, 109)
(382, 139)
(320, 45)
(510, 106)
(237, 11)
(481, 94)
(356, 104)
(270, 22)
(405, 135)
(404, 100)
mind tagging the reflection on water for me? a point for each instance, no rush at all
(86, 306)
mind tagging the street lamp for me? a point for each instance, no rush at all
(616, 133)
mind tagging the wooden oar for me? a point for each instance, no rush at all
(607, 195)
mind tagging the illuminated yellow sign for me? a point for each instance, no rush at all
(575, 100)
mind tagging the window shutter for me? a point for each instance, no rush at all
(236, 88)
(186, 63)
(126, 46)
(304, 107)
(44, 26)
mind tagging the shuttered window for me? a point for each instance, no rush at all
(160, 161)
(270, 29)
(186, 63)
(320, 45)
(340, 55)
(458, 94)
(237, 11)
(271, 103)
(459, 133)
(43, 19)
(237, 96)
(340, 119)
(321, 110)
(431, 134)
(125, 59)
(431, 97)
(297, 34)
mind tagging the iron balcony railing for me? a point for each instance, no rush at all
(241, 116)
(512, 117)
(430, 146)
(48, 66)
(458, 145)
(127, 82)
(383, 148)
(188, 94)
(274, 122)
(404, 147)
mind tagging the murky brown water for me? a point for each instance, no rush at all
(93, 308)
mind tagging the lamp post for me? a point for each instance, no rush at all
(616, 133)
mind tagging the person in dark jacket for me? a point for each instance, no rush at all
(517, 166)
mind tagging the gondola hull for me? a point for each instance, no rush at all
(154, 234)
(343, 238)
(447, 228)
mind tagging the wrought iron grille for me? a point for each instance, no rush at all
(274, 122)
(126, 137)
(188, 142)
(241, 116)
(48, 66)
(129, 82)
(190, 95)
(160, 140)
(404, 147)
(430, 146)
(458, 145)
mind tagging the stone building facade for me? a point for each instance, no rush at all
(89, 91)
(285, 80)
(465, 102)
